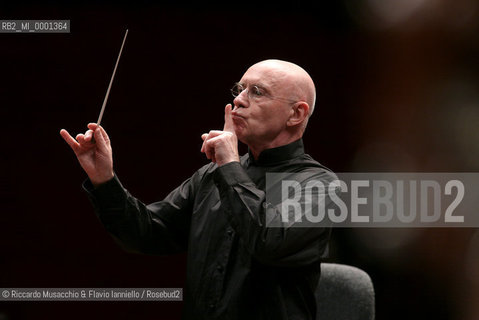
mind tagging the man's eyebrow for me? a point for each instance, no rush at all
(259, 85)
(262, 87)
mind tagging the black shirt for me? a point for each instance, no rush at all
(237, 268)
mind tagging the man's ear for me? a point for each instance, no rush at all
(299, 114)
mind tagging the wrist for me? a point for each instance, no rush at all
(97, 181)
(222, 163)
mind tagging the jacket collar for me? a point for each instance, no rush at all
(278, 154)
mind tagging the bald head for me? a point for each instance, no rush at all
(295, 83)
(273, 105)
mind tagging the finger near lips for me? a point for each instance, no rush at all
(229, 126)
(211, 139)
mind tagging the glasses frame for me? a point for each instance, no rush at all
(235, 93)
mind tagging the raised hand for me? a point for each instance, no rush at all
(95, 156)
(222, 146)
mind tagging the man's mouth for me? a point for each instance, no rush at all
(237, 115)
(238, 119)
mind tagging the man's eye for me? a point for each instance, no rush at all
(238, 89)
(257, 91)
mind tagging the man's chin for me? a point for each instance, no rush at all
(239, 130)
(241, 136)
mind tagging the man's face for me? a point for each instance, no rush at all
(259, 119)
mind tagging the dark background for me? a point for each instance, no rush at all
(397, 91)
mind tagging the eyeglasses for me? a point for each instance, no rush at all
(255, 93)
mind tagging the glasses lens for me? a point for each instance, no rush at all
(236, 90)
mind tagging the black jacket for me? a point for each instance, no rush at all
(238, 268)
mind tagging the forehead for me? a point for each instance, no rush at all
(265, 75)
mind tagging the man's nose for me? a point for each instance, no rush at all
(241, 100)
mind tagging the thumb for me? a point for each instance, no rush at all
(229, 125)
(92, 126)
(101, 139)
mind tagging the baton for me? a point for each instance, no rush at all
(111, 81)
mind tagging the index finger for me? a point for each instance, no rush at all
(69, 139)
(229, 126)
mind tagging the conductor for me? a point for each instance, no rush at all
(238, 267)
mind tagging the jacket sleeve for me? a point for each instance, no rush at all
(259, 223)
(159, 228)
